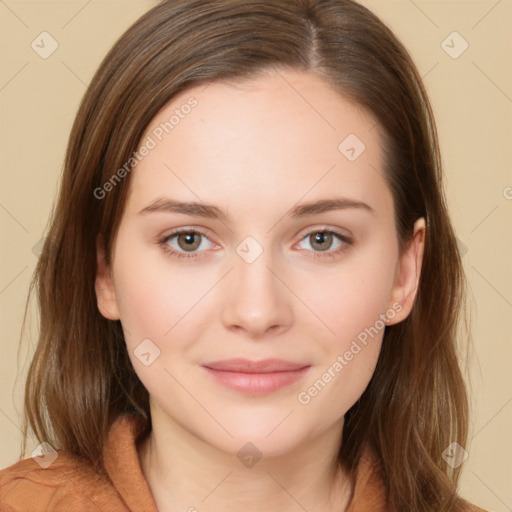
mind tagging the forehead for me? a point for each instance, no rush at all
(274, 139)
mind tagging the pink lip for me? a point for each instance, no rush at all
(256, 377)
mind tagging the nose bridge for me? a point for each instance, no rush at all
(257, 300)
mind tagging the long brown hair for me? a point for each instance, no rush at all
(81, 378)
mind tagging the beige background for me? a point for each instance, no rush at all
(472, 100)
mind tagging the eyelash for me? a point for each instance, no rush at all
(347, 241)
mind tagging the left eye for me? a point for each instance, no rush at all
(323, 240)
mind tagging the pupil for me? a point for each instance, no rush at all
(321, 238)
(188, 241)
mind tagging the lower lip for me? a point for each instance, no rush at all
(257, 383)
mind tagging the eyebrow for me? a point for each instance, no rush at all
(200, 209)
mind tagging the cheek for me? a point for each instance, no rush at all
(338, 385)
(346, 357)
(150, 299)
(159, 308)
(353, 303)
(141, 301)
(350, 298)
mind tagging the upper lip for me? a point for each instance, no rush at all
(248, 366)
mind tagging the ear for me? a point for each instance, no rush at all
(104, 286)
(407, 274)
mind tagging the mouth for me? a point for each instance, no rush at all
(256, 377)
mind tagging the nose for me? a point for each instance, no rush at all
(257, 301)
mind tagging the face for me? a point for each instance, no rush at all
(290, 253)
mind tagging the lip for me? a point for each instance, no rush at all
(248, 366)
(256, 377)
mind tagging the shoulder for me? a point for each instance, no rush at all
(370, 492)
(67, 483)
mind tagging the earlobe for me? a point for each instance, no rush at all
(408, 271)
(104, 286)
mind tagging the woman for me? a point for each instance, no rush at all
(251, 287)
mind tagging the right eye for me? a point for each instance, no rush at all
(187, 242)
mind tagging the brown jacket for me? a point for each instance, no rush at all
(68, 485)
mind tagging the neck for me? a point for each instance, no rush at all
(186, 473)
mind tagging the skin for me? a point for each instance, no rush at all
(256, 149)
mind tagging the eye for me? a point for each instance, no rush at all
(321, 240)
(186, 244)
